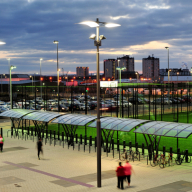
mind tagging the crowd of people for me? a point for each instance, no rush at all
(124, 174)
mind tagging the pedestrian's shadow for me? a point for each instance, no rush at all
(132, 186)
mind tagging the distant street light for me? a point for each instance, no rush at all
(32, 82)
(137, 76)
(40, 77)
(57, 42)
(120, 69)
(11, 100)
(168, 75)
(97, 42)
(9, 74)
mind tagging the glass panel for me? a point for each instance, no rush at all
(94, 124)
(155, 128)
(59, 119)
(84, 122)
(107, 122)
(120, 126)
(176, 130)
(47, 119)
(165, 129)
(70, 121)
(65, 118)
(130, 126)
(185, 133)
(145, 126)
(77, 121)
(113, 124)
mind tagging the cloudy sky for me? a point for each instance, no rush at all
(29, 28)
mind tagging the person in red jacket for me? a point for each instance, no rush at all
(120, 175)
(1, 143)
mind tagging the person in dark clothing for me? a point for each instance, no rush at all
(120, 175)
(39, 148)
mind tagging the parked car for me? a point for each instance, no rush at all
(63, 108)
(135, 100)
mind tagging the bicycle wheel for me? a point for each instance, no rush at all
(153, 163)
(178, 161)
(161, 165)
(172, 161)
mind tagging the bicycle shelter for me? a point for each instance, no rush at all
(151, 130)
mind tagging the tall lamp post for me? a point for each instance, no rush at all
(2, 43)
(40, 77)
(57, 42)
(32, 81)
(11, 67)
(168, 74)
(9, 74)
(120, 69)
(97, 42)
(137, 76)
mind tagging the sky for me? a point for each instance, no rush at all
(29, 28)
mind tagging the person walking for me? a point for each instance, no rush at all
(128, 169)
(1, 143)
(39, 148)
(120, 176)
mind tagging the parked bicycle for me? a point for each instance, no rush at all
(156, 160)
(180, 159)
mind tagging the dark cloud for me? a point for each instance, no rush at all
(30, 26)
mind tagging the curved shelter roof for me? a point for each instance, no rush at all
(159, 128)
(74, 119)
(167, 129)
(117, 124)
(43, 116)
(16, 113)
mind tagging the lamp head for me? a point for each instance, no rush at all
(41, 59)
(12, 67)
(93, 36)
(2, 43)
(166, 47)
(97, 23)
(55, 42)
(102, 37)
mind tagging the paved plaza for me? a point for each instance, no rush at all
(63, 169)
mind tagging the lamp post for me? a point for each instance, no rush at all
(120, 69)
(11, 67)
(40, 77)
(177, 78)
(9, 74)
(168, 74)
(2, 43)
(57, 42)
(137, 76)
(97, 42)
(32, 81)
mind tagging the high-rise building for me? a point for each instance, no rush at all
(110, 66)
(82, 71)
(127, 62)
(150, 67)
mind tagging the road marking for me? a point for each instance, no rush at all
(49, 174)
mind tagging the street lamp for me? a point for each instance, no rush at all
(11, 67)
(40, 77)
(9, 73)
(168, 75)
(120, 69)
(57, 42)
(32, 81)
(97, 42)
(2, 43)
(177, 78)
(137, 76)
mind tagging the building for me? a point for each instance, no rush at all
(175, 75)
(150, 67)
(110, 66)
(127, 62)
(82, 71)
